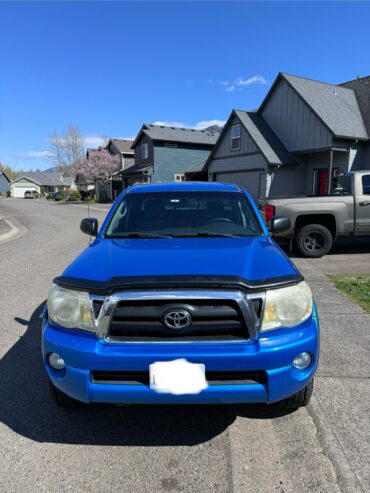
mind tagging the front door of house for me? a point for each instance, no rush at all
(320, 181)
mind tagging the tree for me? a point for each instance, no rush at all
(66, 148)
(10, 173)
(97, 168)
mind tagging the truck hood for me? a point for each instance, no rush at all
(253, 259)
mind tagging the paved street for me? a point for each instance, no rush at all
(257, 449)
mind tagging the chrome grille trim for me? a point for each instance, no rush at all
(244, 301)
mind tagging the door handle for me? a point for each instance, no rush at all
(364, 203)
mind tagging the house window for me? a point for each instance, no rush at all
(235, 137)
(366, 185)
(145, 151)
(179, 177)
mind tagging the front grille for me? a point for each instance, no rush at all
(212, 377)
(212, 320)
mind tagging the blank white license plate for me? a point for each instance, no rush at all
(177, 377)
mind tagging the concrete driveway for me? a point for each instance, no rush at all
(322, 448)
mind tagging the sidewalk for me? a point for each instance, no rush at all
(340, 407)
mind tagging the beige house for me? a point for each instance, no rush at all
(42, 182)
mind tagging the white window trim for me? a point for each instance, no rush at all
(235, 138)
(179, 177)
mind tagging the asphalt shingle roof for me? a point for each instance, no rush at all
(361, 87)
(264, 137)
(175, 134)
(46, 178)
(123, 145)
(337, 106)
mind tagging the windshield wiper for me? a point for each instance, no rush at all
(206, 234)
(138, 235)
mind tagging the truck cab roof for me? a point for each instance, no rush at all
(191, 186)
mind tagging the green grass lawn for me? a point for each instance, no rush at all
(356, 287)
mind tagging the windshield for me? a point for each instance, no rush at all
(182, 214)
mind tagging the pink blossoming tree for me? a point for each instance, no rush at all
(97, 168)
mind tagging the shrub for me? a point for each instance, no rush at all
(74, 196)
(8, 193)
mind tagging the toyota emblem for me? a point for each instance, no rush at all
(177, 319)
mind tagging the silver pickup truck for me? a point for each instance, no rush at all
(315, 222)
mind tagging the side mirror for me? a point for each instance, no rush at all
(89, 225)
(280, 224)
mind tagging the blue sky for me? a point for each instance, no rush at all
(109, 67)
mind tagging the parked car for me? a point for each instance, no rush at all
(31, 194)
(183, 297)
(317, 221)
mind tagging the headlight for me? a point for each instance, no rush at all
(287, 307)
(70, 309)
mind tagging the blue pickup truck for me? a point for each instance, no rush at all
(182, 298)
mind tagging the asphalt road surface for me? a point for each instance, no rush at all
(322, 448)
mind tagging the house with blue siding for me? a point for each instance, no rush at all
(4, 183)
(165, 154)
(302, 136)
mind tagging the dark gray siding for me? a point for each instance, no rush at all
(138, 151)
(4, 184)
(286, 181)
(247, 145)
(169, 161)
(128, 161)
(360, 157)
(293, 121)
(237, 163)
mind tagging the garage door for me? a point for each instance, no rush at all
(250, 180)
(19, 191)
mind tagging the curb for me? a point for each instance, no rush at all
(16, 230)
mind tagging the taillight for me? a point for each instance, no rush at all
(269, 212)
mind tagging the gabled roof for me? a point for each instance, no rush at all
(175, 134)
(336, 106)
(2, 173)
(361, 87)
(262, 135)
(46, 178)
(136, 169)
(265, 139)
(198, 168)
(122, 145)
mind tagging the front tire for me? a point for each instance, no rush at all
(299, 399)
(63, 400)
(313, 240)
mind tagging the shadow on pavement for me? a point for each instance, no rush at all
(353, 245)
(26, 408)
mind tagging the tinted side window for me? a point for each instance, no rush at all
(366, 185)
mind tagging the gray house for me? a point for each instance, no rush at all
(304, 133)
(4, 183)
(164, 154)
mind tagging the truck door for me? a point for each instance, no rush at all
(363, 204)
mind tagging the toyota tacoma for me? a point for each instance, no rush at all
(182, 297)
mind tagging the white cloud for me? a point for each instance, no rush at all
(197, 126)
(239, 82)
(35, 154)
(93, 140)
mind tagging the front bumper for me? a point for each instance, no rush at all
(272, 353)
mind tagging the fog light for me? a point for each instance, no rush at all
(56, 361)
(302, 361)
